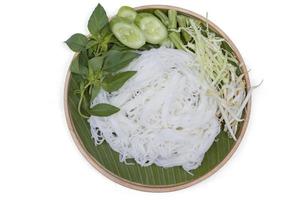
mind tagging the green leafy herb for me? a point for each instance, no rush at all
(119, 48)
(75, 66)
(96, 63)
(103, 110)
(83, 58)
(91, 44)
(115, 82)
(97, 20)
(116, 60)
(85, 104)
(95, 90)
(81, 104)
(77, 42)
(91, 75)
(106, 41)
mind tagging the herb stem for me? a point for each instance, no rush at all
(80, 101)
(98, 49)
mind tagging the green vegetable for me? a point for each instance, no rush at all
(163, 18)
(75, 66)
(95, 90)
(105, 42)
(96, 63)
(127, 32)
(103, 110)
(153, 29)
(174, 37)
(85, 104)
(99, 43)
(115, 82)
(98, 74)
(97, 20)
(182, 22)
(83, 59)
(119, 48)
(172, 14)
(127, 12)
(91, 44)
(77, 42)
(116, 60)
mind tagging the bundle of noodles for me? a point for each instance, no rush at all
(167, 116)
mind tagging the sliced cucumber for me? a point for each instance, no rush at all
(127, 12)
(154, 31)
(127, 32)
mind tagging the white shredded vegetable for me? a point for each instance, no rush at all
(218, 67)
(167, 116)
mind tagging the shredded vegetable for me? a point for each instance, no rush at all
(218, 67)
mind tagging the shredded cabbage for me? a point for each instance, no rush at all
(218, 67)
(166, 115)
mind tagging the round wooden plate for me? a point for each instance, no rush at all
(153, 178)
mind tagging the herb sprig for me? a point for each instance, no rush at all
(98, 60)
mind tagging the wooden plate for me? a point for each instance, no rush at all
(152, 178)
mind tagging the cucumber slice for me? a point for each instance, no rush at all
(127, 32)
(154, 31)
(127, 12)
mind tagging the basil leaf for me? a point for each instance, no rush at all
(74, 68)
(116, 60)
(91, 74)
(105, 42)
(95, 90)
(91, 43)
(83, 58)
(115, 41)
(103, 110)
(96, 63)
(97, 20)
(115, 82)
(119, 48)
(77, 42)
(85, 105)
(81, 86)
(105, 31)
(77, 80)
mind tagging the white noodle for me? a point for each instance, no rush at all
(166, 117)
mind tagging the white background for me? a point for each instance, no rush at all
(39, 160)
